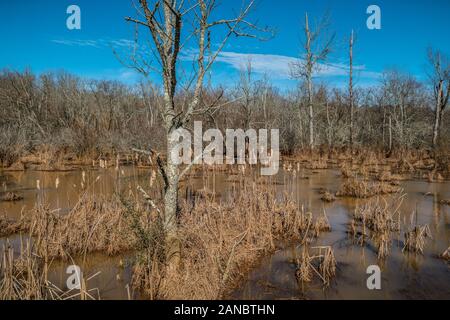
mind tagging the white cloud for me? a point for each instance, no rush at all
(279, 66)
(78, 43)
(97, 43)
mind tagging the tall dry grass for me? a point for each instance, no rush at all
(376, 220)
(222, 241)
(358, 188)
(23, 276)
(95, 224)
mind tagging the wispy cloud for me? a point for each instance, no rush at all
(279, 66)
(78, 43)
(97, 43)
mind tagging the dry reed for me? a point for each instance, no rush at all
(322, 264)
(94, 224)
(358, 188)
(415, 239)
(220, 242)
(25, 277)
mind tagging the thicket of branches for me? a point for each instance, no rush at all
(66, 114)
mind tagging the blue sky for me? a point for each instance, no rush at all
(34, 35)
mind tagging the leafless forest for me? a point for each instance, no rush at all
(186, 241)
(64, 115)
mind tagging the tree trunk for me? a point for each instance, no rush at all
(311, 116)
(350, 91)
(438, 115)
(309, 70)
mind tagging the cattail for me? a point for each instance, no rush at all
(152, 178)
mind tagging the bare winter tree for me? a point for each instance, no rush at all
(175, 26)
(350, 89)
(440, 78)
(317, 47)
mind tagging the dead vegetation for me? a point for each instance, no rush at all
(24, 277)
(8, 227)
(358, 188)
(446, 254)
(320, 263)
(415, 239)
(328, 197)
(221, 241)
(94, 224)
(375, 221)
(11, 197)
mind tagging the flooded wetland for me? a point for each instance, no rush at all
(415, 272)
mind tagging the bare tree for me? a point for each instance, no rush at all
(173, 25)
(317, 47)
(350, 89)
(440, 78)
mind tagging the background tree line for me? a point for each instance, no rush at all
(68, 114)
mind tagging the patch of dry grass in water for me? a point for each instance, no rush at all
(24, 277)
(415, 239)
(11, 197)
(328, 197)
(376, 220)
(358, 188)
(95, 224)
(8, 227)
(446, 254)
(222, 241)
(321, 263)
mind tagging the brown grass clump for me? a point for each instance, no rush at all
(376, 220)
(357, 188)
(94, 224)
(446, 254)
(415, 239)
(328, 197)
(322, 263)
(8, 227)
(304, 267)
(318, 164)
(322, 224)
(346, 171)
(387, 176)
(21, 278)
(220, 242)
(11, 197)
(24, 277)
(379, 216)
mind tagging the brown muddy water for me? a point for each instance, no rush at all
(404, 276)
